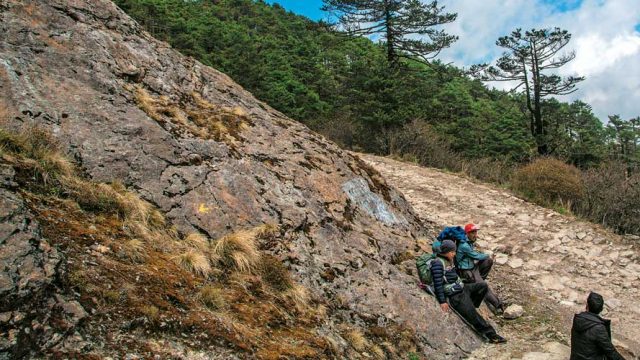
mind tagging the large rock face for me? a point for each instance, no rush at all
(214, 158)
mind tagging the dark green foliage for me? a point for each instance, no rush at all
(527, 61)
(403, 25)
(349, 89)
(340, 86)
(624, 141)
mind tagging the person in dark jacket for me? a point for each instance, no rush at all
(591, 334)
(464, 298)
(474, 266)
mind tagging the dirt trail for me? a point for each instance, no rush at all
(545, 261)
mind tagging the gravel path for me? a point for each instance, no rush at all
(546, 261)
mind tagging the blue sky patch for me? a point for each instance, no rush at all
(638, 28)
(563, 5)
(308, 8)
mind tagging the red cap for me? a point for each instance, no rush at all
(471, 227)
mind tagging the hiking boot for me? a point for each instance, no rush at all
(495, 311)
(495, 338)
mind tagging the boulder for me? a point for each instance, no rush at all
(513, 311)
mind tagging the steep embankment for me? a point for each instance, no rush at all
(214, 161)
(546, 261)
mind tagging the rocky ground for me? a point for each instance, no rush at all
(545, 261)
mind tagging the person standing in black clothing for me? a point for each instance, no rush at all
(464, 298)
(591, 334)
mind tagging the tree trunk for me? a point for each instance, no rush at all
(540, 133)
(391, 51)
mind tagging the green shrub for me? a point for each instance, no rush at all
(549, 182)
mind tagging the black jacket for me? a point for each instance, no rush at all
(591, 338)
(441, 277)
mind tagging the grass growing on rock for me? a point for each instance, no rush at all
(136, 275)
(144, 270)
(194, 115)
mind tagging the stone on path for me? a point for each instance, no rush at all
(552, 351)
(514, 311)
(550, 282)
(516, 263)
(502, 259)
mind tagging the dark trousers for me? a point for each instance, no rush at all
(478, 274)
(466, 302)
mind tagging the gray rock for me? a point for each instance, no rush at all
(513, 311)
(215, 184)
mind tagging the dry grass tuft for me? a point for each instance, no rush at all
(267, 231)
(194, 262)
(212, 297)
(38, 151)
(197, 241)
(377, 352)
(356, 339)
(197, 116)
(238, 250)
(274, 273)
(151, 312)
(299, 297)
(134, 250)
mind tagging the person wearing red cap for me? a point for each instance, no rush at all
(474, 266)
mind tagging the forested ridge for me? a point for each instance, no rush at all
(435, 114)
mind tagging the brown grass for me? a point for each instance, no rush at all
(356, 339)
(377, 352)
(196, 116)
(195, 262)
(142, 276)
(151, 312)
(197, 241)
(274, 273)
(612, 197)
(238, 251)
(299, 297)
(133, 250)
(212, 297)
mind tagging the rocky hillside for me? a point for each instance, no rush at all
(90, 270)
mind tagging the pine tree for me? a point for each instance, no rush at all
(530, 55)
(404, 25)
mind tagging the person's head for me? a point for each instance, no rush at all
(595, 303)
(472, 231)
(448, 249)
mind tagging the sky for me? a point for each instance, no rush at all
(606, 39)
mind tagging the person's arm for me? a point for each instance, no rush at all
(467, 251)
(604, 343)
(437, 274)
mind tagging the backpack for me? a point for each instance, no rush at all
(423, 263)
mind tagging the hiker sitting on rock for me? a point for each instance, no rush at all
(474, 266)
(591, 334)
(464, 298)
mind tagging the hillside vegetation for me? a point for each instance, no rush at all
(435, 115)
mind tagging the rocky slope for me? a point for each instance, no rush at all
(214, 160)
(546, 261)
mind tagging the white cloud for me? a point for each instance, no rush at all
(604, 38)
